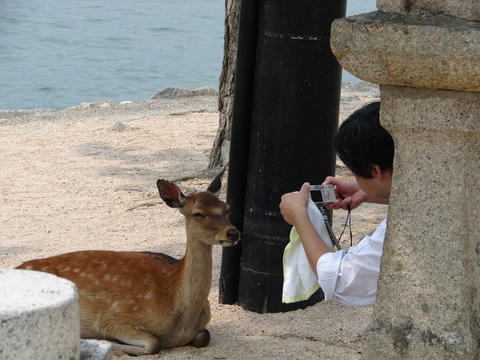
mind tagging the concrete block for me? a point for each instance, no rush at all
(95, 350)
(39, 317)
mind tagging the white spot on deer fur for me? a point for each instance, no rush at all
(116, 305)
(150, 294)
(29, 267)
(45, 268)
(67, 268)
(126, 283)
(97, 323)
(76, 270)
(106, 276)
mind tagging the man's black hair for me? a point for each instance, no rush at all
(361, 142)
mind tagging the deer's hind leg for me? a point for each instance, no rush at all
(134, 341)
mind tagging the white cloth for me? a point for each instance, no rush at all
(299, 280)
(351, 277)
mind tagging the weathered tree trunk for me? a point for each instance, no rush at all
(221, 145)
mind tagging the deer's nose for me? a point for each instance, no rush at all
(233, 234)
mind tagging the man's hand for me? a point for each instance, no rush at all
(293, 206)
(294, 210)
(348, 193)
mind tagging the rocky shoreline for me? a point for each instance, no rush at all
(171, 101)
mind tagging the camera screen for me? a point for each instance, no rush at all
(316, 196)
(322, 193)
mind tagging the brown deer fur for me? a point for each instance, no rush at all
(143, 301)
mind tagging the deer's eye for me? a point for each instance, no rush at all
(198, 215)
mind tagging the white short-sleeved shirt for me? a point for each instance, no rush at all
(351, 277)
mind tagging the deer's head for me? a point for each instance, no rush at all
(207, 216)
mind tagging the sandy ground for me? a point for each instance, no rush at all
(84, 178)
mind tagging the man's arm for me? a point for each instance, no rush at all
(293, 207)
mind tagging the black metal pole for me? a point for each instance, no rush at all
(239, 145)
(294, 116)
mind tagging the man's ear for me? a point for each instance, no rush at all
(381, 175)
(377, 173)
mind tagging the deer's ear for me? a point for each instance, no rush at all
(216, 183)
(171, 194)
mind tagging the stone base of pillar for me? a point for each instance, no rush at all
(428, 296)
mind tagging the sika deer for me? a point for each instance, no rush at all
(143, 301)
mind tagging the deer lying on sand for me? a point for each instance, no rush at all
(144, 301)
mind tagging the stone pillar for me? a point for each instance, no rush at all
(425, 55)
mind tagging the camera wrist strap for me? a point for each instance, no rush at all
(348, 221)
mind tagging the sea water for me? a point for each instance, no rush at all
(60, 53)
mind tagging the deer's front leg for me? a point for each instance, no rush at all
(135, 341)
(202, 337)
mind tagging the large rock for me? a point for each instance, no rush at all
(172, 93)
